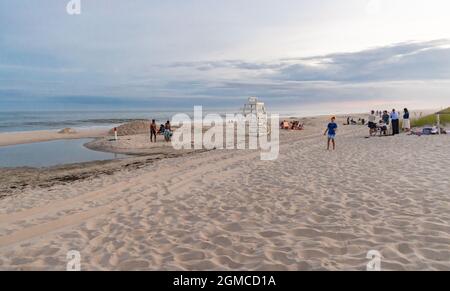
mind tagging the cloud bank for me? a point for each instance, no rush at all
(170, 54)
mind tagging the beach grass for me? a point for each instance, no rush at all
(432, 119)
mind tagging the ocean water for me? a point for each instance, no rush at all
(52, 153)
(43, 120)
(46, 154)
(17, 121)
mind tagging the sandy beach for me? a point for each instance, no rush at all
(15, 138)
(310, 209)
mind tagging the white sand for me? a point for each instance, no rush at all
(228, 210)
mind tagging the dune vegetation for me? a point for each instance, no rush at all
(432, 119)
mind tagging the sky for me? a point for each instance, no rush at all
(346, 55)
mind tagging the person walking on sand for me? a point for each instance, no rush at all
(153, 130)
(331, 130)
(406, 120)
(395, 122)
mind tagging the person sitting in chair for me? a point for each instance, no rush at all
(382, 126)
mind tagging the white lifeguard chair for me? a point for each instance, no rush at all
(257, 109)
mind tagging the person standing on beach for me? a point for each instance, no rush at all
(386, 118)
(395, 122)
(372, 123)
(331, 130)
(153, 130)
(406, 120)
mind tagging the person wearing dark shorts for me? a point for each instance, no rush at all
(153, 131)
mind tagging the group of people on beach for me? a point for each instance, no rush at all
(388, 121)
(164, 129)
(351, 121)
(293, 125)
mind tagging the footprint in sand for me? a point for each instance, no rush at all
(227, 262)
(134, 265)
(404, 249)
(222, 241)
(269, 234)
(191, 256)
(233, 227)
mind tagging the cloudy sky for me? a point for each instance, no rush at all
(294, 54)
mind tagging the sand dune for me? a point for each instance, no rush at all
(228, 210)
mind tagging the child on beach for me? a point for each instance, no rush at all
(331, 130)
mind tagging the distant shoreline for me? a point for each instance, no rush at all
(25, 137)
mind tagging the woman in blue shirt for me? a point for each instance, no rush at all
(406, 120)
